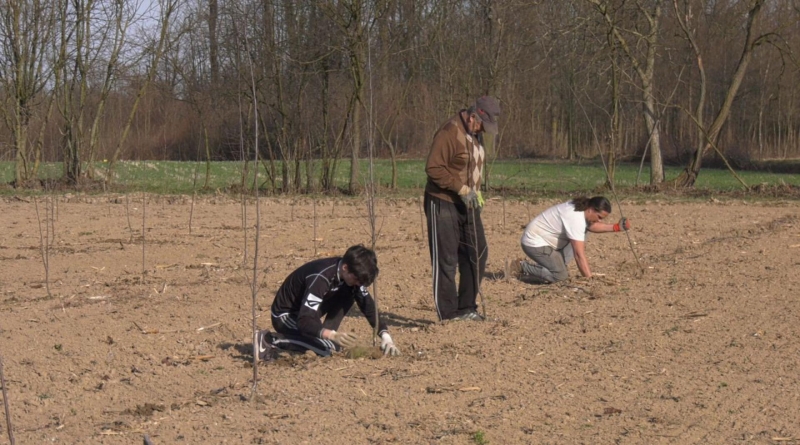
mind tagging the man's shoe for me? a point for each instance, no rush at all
(476, 316)
(263, 341)
(473, 316)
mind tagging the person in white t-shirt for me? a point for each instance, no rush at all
(557, 235)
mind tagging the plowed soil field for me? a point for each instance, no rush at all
(699, 345)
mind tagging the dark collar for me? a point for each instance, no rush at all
(464, 123)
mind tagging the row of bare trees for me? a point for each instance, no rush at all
(658, 80)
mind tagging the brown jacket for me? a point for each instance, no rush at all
(455, 160)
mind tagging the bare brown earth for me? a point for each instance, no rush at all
(703, 347)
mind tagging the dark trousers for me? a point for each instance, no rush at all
(457, 242)
(292, 339)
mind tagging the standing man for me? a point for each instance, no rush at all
(453, 205)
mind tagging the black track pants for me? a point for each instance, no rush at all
(291, 338)
(453, 233)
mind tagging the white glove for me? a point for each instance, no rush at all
(343, 339)
(387, 345)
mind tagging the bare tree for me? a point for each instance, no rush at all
(26, 30)
(354, 20)
(643, 64)
(154, 52)
(708, 136)
(88, 64)
(92, 35)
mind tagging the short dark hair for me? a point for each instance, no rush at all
(597, 203)
(362, 263)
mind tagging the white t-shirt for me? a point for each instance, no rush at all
(555, 227)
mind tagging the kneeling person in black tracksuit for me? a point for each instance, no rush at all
(324, 288)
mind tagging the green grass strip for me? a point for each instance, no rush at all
(509, 177)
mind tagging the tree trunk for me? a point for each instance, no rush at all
(656, 164)
(213, 44)
(645, 70)
(356, 131)
(710, 136)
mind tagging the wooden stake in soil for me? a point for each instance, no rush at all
(6, 404)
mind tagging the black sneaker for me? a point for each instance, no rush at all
(266, 351)
(474, 316)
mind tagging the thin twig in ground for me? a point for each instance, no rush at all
(611, 184)
(371, 192)
(528, 210)
(144, 221)
(194, 195)
(6, 405)
(504, 207)
(315, 227)
(374, 233)
(53, 217)
(421, 216)
(44, 243)
(477, 262)
(243, 189)
(254, 284)
(128, 215)
(244, 227)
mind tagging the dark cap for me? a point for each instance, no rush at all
(488, 109)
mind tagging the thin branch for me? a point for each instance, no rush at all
(9, 427)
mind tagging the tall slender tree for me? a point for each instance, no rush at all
(27, 29)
